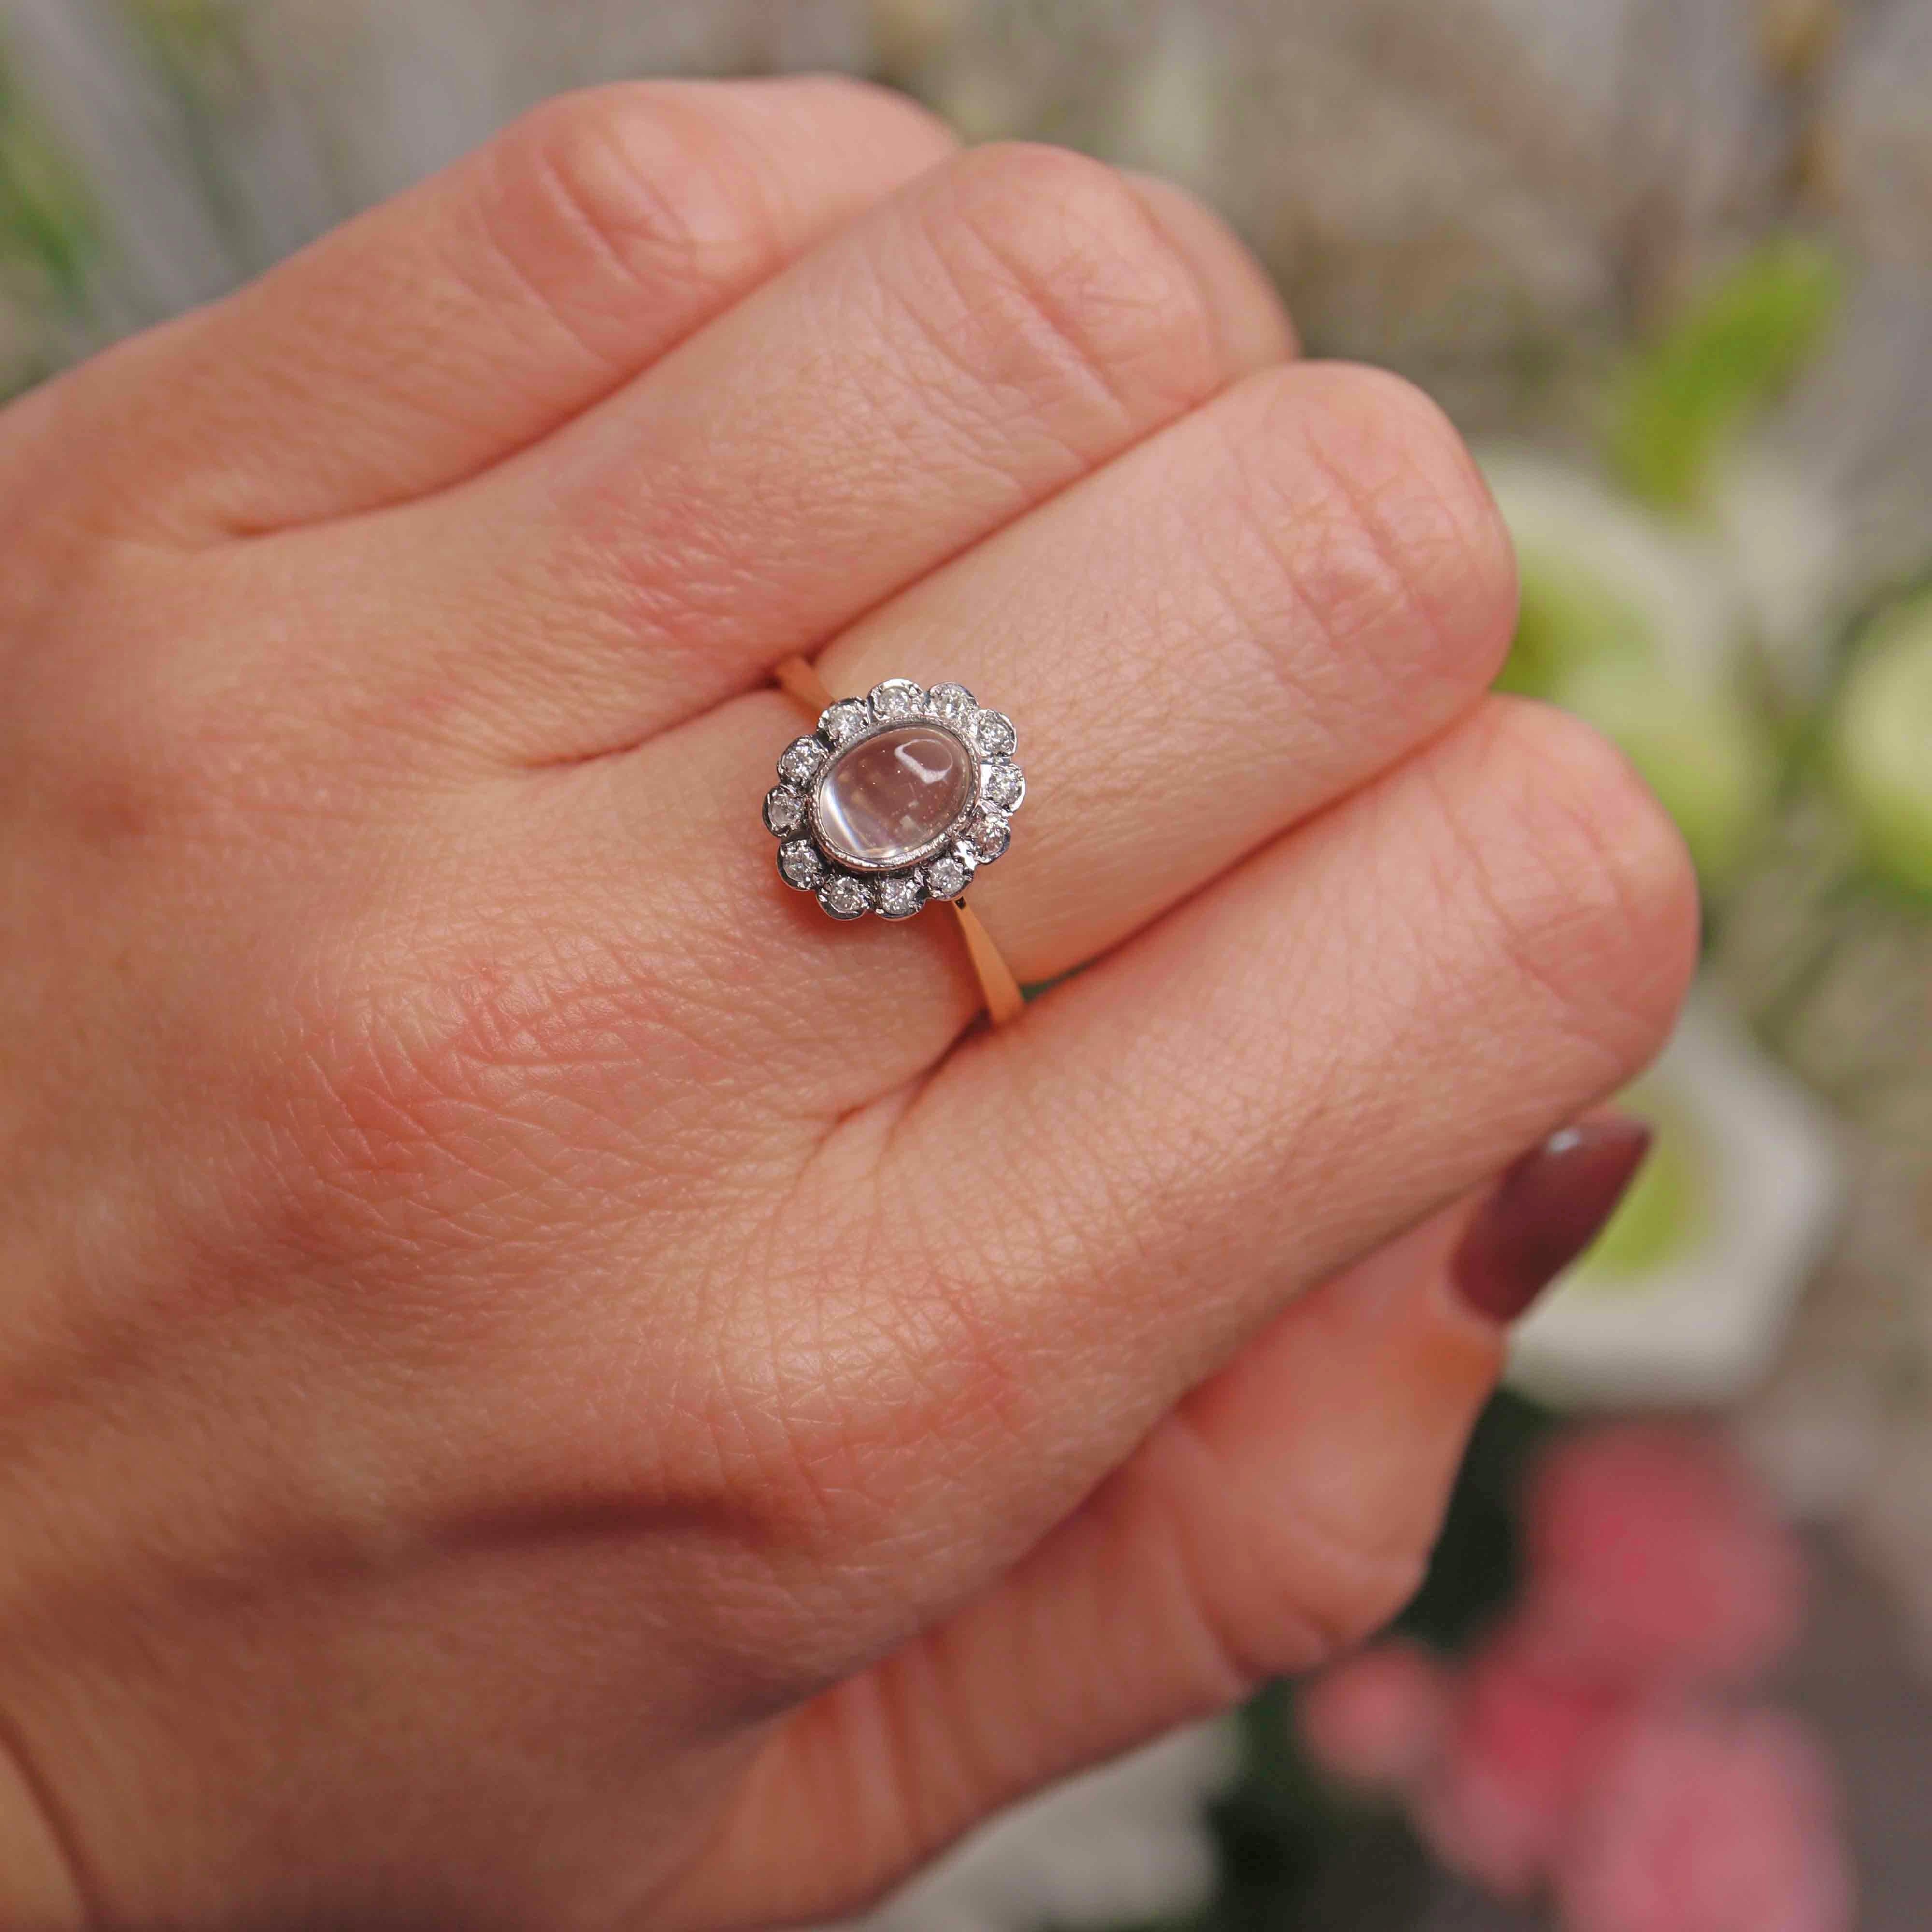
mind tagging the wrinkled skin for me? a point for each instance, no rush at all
(546, 1384)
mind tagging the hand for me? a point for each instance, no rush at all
(546, 1383)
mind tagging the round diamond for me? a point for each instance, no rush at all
(845, 719)
(784, 811)
(800, 762)
(800, 864)
(1003, 786)
(897, 697)
(988, 834)
(994, 734)
(844, 897)
(951, 704)
(947, 877)
(899, 896)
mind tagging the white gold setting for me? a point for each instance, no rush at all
(895, 800)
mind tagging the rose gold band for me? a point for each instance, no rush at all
(1004, 1000)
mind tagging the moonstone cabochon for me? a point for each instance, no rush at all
(911, 823)
(894, 798)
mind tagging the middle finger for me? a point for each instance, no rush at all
(1002, 326)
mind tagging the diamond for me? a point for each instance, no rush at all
(988, 834)
(951, 704)
(947, 877)
(845, 719)
(897, 697)
(784, 810)
(801, 760)
(844, 897)
(800, 864)
(899, 896)
(1003, 786)
(994, 734)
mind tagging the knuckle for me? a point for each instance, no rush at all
(1057, 262)
(1272, 1582)
(129, 753)
(1394, 545)
(1310, 1591)
(598, 194)
(1348, 1591)
(1595, 895)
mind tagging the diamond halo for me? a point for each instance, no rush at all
(895, 800)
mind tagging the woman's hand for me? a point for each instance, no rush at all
(546, 1384)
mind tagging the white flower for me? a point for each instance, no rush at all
(1669, 590)
(1636, 625)
(1881, 742)
(1687, 1297)
(1783, 531)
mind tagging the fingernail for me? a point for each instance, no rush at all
(1546, 1210)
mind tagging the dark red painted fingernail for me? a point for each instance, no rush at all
(1546, 1210)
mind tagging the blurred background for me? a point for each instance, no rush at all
(1669, 263)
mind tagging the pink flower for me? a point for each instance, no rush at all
(1583, 1753)
(1375, 1720)
(1522, 1750)
(1708, 1821)
(1656, 1559)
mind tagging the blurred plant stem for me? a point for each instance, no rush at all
(48, 228)
(1685, 397)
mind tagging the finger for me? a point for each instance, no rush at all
(1359, 1023)
(471, 315)
(1248, 616)
(1254, 328)
(1283, 1512)
(999, 329)
(1274, 601)
(1113, 1194)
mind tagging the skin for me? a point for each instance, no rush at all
(547, 1384)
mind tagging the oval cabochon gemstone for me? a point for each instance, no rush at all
(888, 800)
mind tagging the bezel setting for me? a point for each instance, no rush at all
(942, 867)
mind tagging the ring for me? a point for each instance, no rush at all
(893, 802)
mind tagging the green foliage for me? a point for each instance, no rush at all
(1569, 614)
(193, 27)
(1705, 756)
(47, 226)
(1683, 398)
(198, 46)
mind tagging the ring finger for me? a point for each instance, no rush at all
(1238, 622)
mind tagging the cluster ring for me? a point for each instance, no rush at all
(895, 800)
